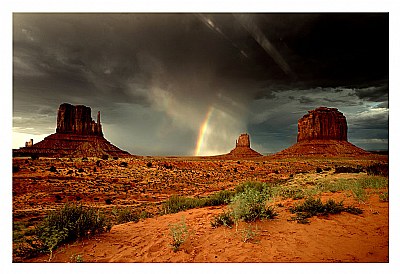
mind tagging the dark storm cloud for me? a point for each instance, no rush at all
(158, 75)
(306, 100)
(373, 93)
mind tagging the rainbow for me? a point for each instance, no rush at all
(203, 130)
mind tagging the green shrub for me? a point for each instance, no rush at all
(249, 205)
(314, 207)
(224, 218)
(177, 203)
(179, 234)
(222, 197)
(258, 186)
(70, 223)
(292, 192)
(125, 215)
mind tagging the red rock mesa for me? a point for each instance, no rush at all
(77, 120)
(323, 131)
(242, 149)
(77, 135)
(322, 124)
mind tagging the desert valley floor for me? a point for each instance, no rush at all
(143, 184)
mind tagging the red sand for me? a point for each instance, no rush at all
(336, 238)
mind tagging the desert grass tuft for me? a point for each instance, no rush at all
(179, 233)
(315, 207)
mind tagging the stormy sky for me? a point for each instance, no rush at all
(190, 83)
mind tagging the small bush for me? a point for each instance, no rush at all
(177, 203)
(53, 169)
(145, 214)
(149, 164)
(70, 223)
(123, 164)
(219, 198)
(314, 207)
(15, 169)
(258, 186)
(293, 193)
(249, 205)
(224, 218)
(179, 234)
(125, 215)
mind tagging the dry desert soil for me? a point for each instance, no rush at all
(144, 184)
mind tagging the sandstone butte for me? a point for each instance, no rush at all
(322, 132)
(77, 135)
(242, 148)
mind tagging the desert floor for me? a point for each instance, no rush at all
(136, 184)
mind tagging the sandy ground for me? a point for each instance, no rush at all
(336, 238)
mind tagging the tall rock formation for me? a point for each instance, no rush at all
(243, 140)
(322, 132)
(242, 149)
(322, 124)
(77, 120)
(77, 135)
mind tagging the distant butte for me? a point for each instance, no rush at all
(322, 131)
(77, 135)
(242, 149)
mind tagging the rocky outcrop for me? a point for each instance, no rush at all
(77, 120)
(242, 149)
(322, 124)
(322, 132)
(77, 135)
(243, 140)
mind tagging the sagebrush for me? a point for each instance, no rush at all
(179, 233)
(69, 223)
